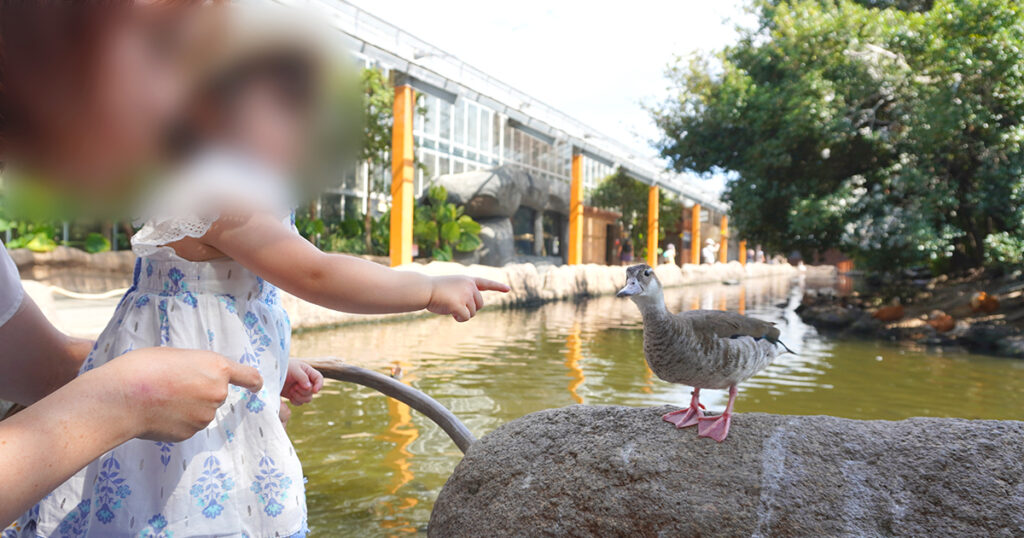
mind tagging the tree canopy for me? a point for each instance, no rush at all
(890, 130)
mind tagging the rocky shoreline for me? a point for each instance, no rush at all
(977, 313)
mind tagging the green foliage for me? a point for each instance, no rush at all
(628, 196)
(892, 135)
(1004, 250)
(441, 228)
(347, 235)
(96, 242)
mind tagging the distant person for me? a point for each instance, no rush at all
(710, 251)
(212, 251)
(751, 255)
(670, 254)
(626, 255)
(759, 255)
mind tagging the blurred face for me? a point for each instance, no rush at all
(114, 125)
(264, 126)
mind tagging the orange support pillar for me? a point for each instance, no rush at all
(575, 252)
(652, 226)
(723, 247)
(695, 234)
(743, 252)
(402, 177)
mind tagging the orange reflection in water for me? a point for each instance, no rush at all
(742, 308)
(401, 432)
(574, 352)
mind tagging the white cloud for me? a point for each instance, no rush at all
(597, 61)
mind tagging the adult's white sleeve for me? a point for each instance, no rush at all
(11, 292)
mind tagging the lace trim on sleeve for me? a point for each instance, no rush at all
(156, 233)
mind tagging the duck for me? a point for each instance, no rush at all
(705, 349)
(892, 312)
(941, 321)
(982, 302)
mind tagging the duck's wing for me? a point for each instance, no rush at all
(718, 324)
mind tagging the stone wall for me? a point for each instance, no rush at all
(619, 471)
(533, 284)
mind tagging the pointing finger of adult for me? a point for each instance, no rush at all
(244, 376)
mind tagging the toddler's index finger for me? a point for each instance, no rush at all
(484, 284)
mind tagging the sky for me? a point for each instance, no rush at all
(598, 64)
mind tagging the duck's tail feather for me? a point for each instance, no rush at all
(784, 346)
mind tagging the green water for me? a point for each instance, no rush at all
(374, 468)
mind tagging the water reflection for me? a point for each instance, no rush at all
(374, 468)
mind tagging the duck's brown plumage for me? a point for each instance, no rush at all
(701, 348)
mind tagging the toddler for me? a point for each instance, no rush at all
(212, 254)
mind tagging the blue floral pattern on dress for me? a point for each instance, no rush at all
(165, 452)
(155, 528)
(174, 286)
(212, 488)
(258, 338)
(91, 358)
(229, 302)
(25, 525)
(271, 487)
(165, 322)
(111, 489)
(74, 524)
(142, 301)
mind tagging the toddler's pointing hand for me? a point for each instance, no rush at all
(460, 296)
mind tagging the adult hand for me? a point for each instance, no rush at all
(460, 296)
(170, 394)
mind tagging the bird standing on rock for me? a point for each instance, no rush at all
(706, 349)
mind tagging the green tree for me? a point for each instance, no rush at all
(893, 135)
(378, 104)
(628, 196)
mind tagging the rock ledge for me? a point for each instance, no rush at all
(618, 471)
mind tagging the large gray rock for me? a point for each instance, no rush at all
(616, 471)
(499, 192)
(485, 193)
(498, 246)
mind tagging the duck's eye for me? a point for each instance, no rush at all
(647, 272)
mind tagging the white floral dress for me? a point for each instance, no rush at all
(238, 477)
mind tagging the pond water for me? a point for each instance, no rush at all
(375, 467)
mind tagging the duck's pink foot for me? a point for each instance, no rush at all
(684, 418)
(716, 428)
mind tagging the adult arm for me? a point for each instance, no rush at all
(155, 393)
(36, 358)
(262, 243)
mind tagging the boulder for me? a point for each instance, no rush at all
(486, 193)
(498, 246)
(500, 191)
(619, 471)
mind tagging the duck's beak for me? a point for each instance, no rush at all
(632, 288)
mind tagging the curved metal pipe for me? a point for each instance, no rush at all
(393, 388)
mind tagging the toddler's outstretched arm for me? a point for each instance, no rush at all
(263, 244)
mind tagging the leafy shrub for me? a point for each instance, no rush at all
(1004, 250)
(441, 228)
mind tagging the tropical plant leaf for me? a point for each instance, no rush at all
(41, 242)
(96, 242)
(469, 225)
(468, 243)
(450, 232)
(443, 254)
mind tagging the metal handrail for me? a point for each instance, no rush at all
(334, 369)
